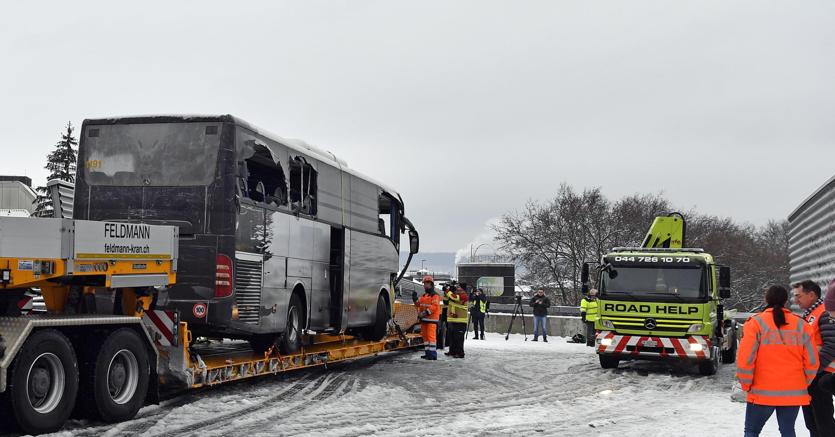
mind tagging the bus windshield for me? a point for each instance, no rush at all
(654, 281)
(153, 154)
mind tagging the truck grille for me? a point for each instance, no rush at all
(248, 277)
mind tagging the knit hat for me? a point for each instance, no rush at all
(829, 300)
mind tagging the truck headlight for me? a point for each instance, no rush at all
(695, 328)
(607, 324)
(696, 347)
(606, 342)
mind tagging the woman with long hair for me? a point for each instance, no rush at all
(776, 362)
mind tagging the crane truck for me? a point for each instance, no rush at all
(186, 257)
(663, 301)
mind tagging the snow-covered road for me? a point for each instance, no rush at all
(501, 388)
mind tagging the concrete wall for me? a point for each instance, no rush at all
(558, 326)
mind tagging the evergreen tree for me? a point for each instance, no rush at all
(61, 164)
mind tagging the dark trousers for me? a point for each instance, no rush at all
(443, 340)
(590, 334)
(818, 414)
(478, 324)
(457, 332)
(757, 415)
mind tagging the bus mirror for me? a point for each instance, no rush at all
(414, 242)
(584, 278)
(724, 282)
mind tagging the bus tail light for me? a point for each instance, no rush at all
(223, 276)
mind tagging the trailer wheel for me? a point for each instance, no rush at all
(608, 361)
(291, 339)
(116, 378)
(43, 382)
(378, 330)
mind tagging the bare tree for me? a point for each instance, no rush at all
(553, 239)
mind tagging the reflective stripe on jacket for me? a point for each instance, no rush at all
(591, 308)
(775, 366)
(457, 310)
(432, 304)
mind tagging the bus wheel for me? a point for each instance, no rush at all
(43, 382)
(117, 376)
(378, 330)
(291, 340)
(608, 361)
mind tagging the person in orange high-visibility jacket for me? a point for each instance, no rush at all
(776, 362)
(429, 312)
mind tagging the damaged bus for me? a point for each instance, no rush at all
(277, 238)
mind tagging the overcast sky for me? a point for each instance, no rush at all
(469, 108)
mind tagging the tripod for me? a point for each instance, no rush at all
(517, 310)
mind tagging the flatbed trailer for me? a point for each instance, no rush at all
(104, 350)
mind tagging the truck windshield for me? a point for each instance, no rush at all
(681, 282)
(153, 154)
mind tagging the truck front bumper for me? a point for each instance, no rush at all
(694, 347)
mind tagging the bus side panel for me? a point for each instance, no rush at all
(373, 260)
(320, 299)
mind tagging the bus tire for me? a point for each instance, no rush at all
(379, 329)
(116, 376)
(608, 361)
(43, 383)
(291, 339)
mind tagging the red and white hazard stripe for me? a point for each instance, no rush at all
(162, 325)
(691, 347)
(25, 305)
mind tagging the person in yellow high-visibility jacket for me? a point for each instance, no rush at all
(590, 312)
(456, 320)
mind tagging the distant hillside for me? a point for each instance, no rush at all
(434, 261)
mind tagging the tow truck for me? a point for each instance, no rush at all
(104, 350)
(663, 301)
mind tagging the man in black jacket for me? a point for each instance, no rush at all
(540, 304)
(824, 386)
(479, 308)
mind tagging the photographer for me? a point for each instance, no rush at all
(540, 304)
(479, 309)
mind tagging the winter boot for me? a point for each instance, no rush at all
(482, 336)
(475, 338)
(535, 338)
(545, 338)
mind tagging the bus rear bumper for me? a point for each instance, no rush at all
(694, 347)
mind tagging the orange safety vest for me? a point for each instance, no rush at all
(432, 303)
(776, 366)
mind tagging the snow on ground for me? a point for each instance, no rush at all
(501, 388)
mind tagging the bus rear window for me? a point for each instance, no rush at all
(159, 154)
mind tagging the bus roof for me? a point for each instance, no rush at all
(294, 144)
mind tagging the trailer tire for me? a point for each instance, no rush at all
(379, 329)
(608, 361)
(45, 367)
(116, 376)
(291, 339)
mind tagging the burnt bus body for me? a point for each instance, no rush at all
(275, 236)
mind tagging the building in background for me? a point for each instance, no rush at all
(812, 237)
(16, 196)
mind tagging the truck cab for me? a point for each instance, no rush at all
(662, 303)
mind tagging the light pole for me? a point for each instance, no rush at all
(474, 252)
(421, 264)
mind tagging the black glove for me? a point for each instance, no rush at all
(414, 296)
(583, 317)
